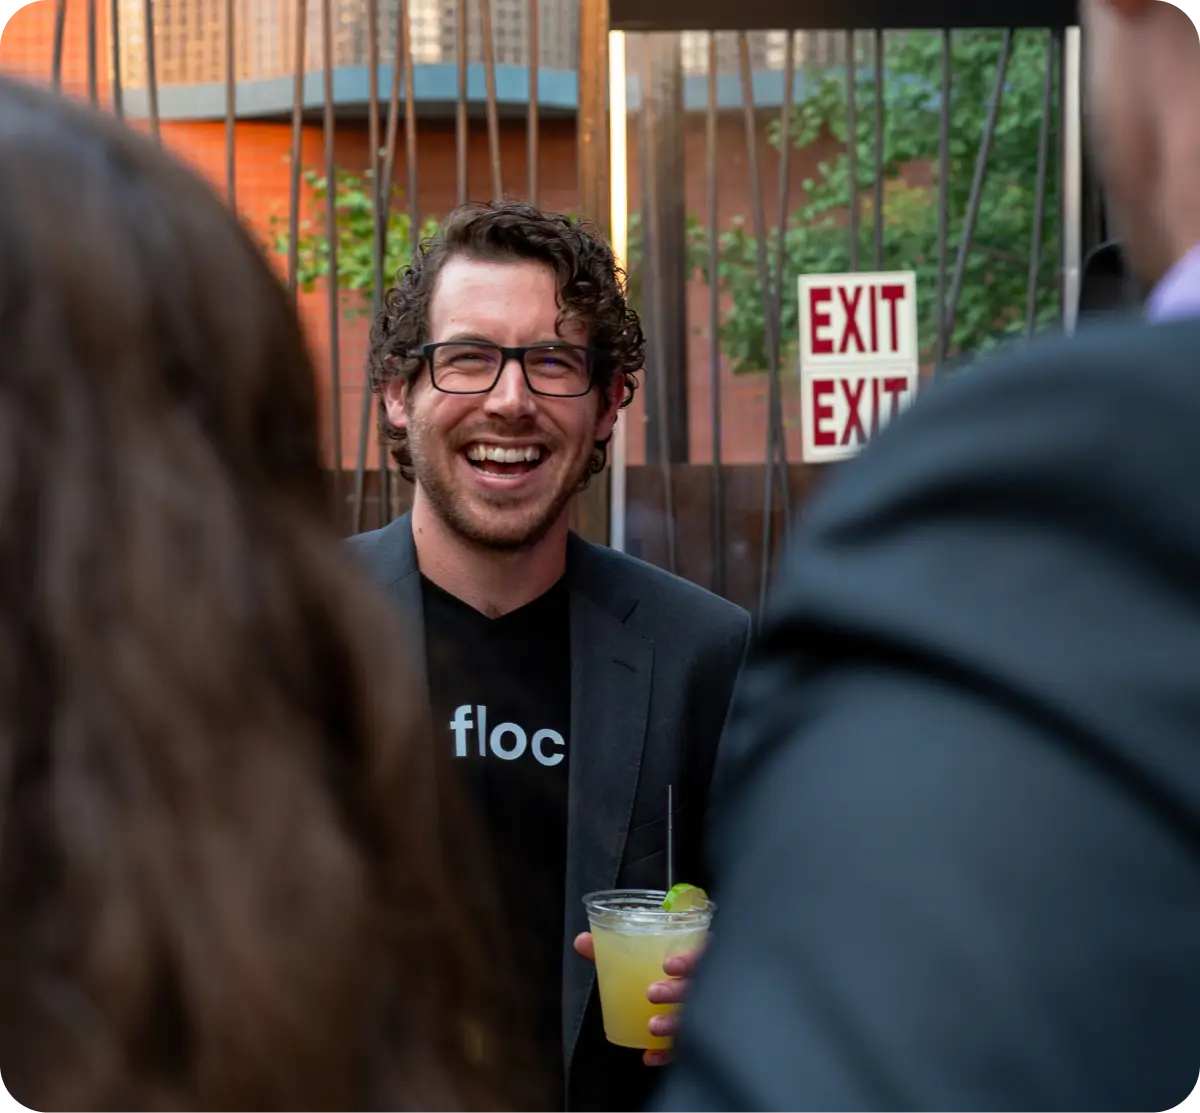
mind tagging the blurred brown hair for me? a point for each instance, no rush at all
(217, 880)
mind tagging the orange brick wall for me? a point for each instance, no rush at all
(262, 183)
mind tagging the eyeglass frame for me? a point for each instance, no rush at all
(507, 354)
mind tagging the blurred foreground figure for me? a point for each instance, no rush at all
(214, 889)
(959, 861)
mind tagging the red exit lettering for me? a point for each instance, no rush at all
(867, 404)
(868, 321)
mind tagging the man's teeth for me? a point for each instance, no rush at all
(481, 452)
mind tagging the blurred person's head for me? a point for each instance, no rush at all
(497, 451)
(218, 883)
(1142, 60)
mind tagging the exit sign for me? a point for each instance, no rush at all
(859, 358)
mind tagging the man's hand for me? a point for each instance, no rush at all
(670, 991)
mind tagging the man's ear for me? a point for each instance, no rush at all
(610, 403)
(393, 392)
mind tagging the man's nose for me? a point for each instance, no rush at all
(511, 396)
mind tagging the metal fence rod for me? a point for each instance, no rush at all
(1070, 182)
(714, 323)
(1039, 204)
(489, 78)
(380, 192)
(230, 108)
(879, 45)
(618, 223)
(331, 235)
(297, 149)
(92, 77)
(461, 133)
(56, 58)
(652, 284)
(410, 137)
(151, 67)
(943, 340)
(114, 38)
(401, 66)
(771, 326)
(852, 141)
(535, 71)
(977, 182)
(776, 309)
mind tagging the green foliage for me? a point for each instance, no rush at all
(817, 240)
(355, 216)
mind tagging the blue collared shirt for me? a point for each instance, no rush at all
(1178, 294)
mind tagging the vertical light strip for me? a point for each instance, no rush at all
(618, 178)
(1072, 179)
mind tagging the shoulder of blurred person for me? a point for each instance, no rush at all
(958, 858)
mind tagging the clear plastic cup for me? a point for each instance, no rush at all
(634, 936)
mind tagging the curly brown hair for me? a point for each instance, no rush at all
(591, 288)
(220, 885)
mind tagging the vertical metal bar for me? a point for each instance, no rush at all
(461, 133)
(714, 323)
(1072, 177)
(590, 510)
(785, 164)
(401, 63)
(331, 234)
(618, 173)
(852, 142)
(393, 112)
(535, 72)
(410, 136)
(297, 148)
(93, 86)
(151, 66)
(381, 191)
(878, 149)
(981, 164)
(230, 108)
(114, 38)
(943, 339)
(489, 78)
(651, 248)
(667, 143)
(1039, 203)
(56, 59)
(764, 281)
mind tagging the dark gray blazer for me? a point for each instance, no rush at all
(654, 660)
(958, 850)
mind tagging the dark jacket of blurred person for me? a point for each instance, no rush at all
(215, 891)
(959, 861)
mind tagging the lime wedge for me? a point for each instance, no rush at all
(684, 898)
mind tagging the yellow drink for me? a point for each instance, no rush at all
(633, 938)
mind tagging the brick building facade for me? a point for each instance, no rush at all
(262, 183)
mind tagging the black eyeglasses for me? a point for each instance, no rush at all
(474, 367)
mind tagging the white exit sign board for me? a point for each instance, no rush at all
(859, 358)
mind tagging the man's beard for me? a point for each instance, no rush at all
(514, 526)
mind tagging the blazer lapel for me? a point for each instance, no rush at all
(396, 563)
(397, 570)
(611, 669)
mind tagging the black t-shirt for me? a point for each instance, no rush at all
(500, 693)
